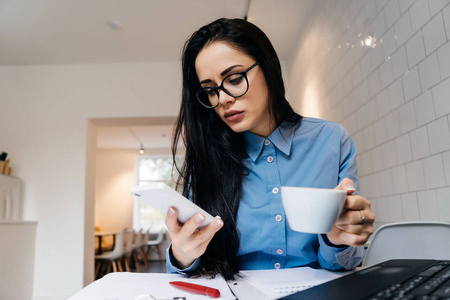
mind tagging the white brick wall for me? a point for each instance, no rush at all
(393, 98)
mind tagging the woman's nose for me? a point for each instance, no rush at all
(225, 99)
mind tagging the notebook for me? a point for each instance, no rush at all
(277, 283)
(411, 279)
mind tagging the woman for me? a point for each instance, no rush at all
(243, 142)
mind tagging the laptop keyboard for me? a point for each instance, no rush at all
(431, 284)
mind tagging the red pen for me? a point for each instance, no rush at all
(196, 289)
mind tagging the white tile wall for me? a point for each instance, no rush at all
(395, 208)
(403, 149)
(403, 29)
(442, 197)
(424, 109)
(380, 131)
(446, 13)
(437, 5)
(444, 59)
(428, 208)
(389, 156)
(393, 124)
(419, 143)
(415, 49)
(389, 43)
(399, 62)
(429, 72)
(383, 106)
(400, 181)
(419, 13)
(411, 83)
(410, 207)
(434, 171)
(386, 73)
(398, 103)
(396, 97)
(446, 157)
(441, 96)
(392, 13)
(434, 34)
(404, 5)
(439, 135)
(407, 117)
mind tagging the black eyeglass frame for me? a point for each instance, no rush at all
(221, 87)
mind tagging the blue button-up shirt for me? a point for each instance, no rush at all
(315, 154)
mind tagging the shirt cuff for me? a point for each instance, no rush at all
(171, 268)
(333, 257)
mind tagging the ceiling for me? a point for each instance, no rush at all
(36, 32)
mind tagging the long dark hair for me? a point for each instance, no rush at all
(214, 165)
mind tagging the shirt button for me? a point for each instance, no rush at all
(278, 218)
(267, 142)
(277, 265)
(269, 159)
(279, 251)
(275, 190)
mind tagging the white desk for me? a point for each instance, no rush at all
(123, 285)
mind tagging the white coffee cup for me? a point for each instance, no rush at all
(312, 210)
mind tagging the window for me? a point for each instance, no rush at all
(151, 169)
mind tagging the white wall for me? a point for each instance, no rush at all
(393, 98)
(115, 178)
(44, 118)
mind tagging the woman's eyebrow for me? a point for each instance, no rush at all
(223, 73)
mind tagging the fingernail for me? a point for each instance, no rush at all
(200, 218)
(350, 187)
(218, 224)
(171, 211)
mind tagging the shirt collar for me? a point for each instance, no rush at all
(281, 137)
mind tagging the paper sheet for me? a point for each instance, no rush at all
(129, 286)
(277, 283)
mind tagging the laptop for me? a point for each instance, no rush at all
(393, 279)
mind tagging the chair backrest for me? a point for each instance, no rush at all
(138, 236)
(129, 241)
(145, 237)
(118, 250)
(409, 240)
(158, 239)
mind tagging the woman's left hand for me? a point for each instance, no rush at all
(355, 224)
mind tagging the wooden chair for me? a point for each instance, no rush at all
(112, 258)
(128, 251)
(137, 243)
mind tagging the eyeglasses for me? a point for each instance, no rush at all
(234, 85)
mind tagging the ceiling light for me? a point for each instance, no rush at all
(141, 150)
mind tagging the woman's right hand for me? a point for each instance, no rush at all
(188, 240)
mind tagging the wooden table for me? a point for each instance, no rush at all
(100, 234)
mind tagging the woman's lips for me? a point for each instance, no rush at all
(234, 116)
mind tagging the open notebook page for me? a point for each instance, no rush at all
(282, 282)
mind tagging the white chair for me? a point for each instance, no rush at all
(113, 256)
(137, 244)
(144, 247)
(156, 243)
(128, 251)
(409, 240)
